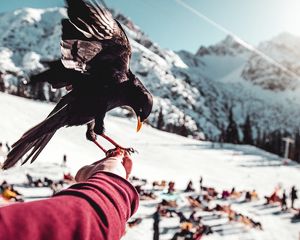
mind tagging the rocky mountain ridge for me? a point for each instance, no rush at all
(194, 93)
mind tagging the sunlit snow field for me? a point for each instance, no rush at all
(161, 156)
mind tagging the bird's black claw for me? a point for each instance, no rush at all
(130, 150)
(111, 152)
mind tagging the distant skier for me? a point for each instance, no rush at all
(248, 196)
(293, 196)
(190, 187)
(201, 183)
(194, 219)
(7, 146)
(64, 161)
(156, 218)
(183, 234)
(182, 218)
(171, 187)
(283, 201)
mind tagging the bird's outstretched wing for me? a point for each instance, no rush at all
(92, 31)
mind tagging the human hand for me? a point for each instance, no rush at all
(118, 162)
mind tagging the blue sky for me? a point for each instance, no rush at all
(172, 26)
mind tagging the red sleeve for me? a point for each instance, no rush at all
(96, 209)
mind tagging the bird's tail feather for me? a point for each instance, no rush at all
(38, 147)
(35, 139)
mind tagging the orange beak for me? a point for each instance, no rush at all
(139, 124)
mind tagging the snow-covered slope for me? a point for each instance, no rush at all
(161, 156)
(246, 82)
(193, 92)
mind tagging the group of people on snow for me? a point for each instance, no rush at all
(282, 200)
(192, 227)
(8, 192)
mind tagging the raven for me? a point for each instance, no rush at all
(95, 68)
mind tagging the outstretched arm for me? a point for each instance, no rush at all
(97, 207)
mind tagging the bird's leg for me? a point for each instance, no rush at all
(98, 128)
(99, 146)
(129, 150)
(111, 141)
(91, 135)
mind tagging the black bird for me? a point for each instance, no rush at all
(95, 67)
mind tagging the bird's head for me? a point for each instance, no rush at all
(142, 108)
(139, 99)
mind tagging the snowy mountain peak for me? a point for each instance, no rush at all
(33, 15)
(30, 14)
(283, 49)
(286, 39)
(229, 41)
(227, 46)
(26, 30)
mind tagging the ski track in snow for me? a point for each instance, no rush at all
(161, 156)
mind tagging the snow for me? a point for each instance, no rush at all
(161, 156)
(6, 64)
(227, 65)
(194, 91)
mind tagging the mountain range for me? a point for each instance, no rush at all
(194, 93)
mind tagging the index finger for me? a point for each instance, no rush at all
(127, 163)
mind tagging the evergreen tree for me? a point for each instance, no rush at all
(160, 119)
(183, 131)
(232, 134)
(258, 140)
(247, 131)
(296, 150)
(277, 143)
(222, 137)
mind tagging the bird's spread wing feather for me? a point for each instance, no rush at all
(89, 31)
(91, 19)
(77, 53)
